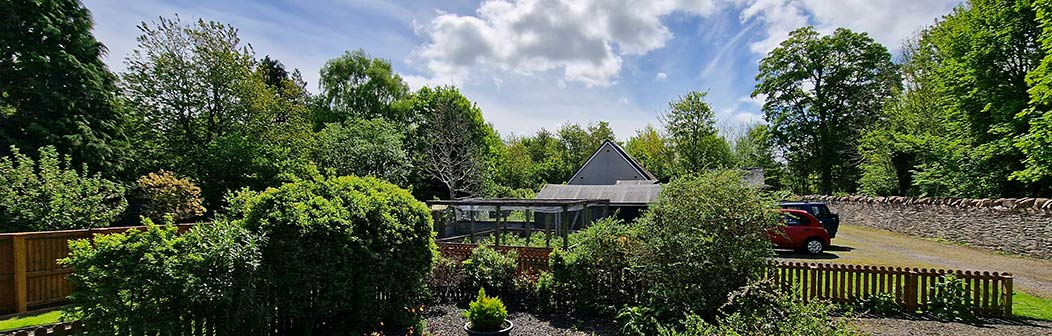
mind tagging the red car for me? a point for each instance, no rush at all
(801, 231)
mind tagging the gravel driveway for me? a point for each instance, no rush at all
(905, 327)
(862, 245)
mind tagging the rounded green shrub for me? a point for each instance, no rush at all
(489, 269)
(705, 237)
(342, 254)
(159, 282)
(486, 313)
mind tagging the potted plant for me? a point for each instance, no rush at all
(487, 316)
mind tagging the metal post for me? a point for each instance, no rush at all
(562, 227)
(548, 230)
(500, 230)
(471, 234)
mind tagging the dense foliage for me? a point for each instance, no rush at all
(595, 277)
(54, 88)
(491, 270)
(165, 194)
(705, 237)
(362, 148)
(156, 281)
(819, 92)
(344, 253)
(49, 194)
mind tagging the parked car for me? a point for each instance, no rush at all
(830, 220)
(801, 231)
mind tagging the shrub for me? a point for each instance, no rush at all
(155, 281)
(48, 194)
(879, 303)
(486, 314)
(342, 254)
(760, 309)
(487, 268)
(165, 194)
(706, 236)
(446, 280)
(594, 278)
(950, 299)
(637, 321)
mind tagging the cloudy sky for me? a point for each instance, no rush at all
(539, 63)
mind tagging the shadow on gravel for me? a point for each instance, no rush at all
(803, 255)
(982, 322)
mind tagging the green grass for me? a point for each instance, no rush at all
(31, 320)
(1027, 306)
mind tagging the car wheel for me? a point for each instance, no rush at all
(814, 246)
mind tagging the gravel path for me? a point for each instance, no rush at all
(903, 327)
(447, 320)
(862, 245)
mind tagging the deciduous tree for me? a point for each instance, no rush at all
(820, 91)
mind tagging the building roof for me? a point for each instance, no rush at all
(617, 194)
(609, 164)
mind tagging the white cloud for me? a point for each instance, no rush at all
(661, 76)
(585, 39)
(889, 22)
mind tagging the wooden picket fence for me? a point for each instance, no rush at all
(30, 276)
(990, 292)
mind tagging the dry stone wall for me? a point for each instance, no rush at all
(1020, 226)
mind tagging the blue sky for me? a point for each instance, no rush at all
(530, 64)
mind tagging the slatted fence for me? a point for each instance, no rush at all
(30, 276)
(531, 259)
(912, 288)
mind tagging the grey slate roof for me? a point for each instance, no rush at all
(618, 194)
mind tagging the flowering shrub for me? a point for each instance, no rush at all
(165, 194)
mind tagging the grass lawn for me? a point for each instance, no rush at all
(31, 320)
(1027, 306)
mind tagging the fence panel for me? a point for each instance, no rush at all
(531, 259)
(912, 288)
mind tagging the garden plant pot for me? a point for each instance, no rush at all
(503, 332)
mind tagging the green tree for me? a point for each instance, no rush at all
(691, 127)
(355, 85)
(457, 147)
(820, 92)
(1036, 144)
(756, 149)
(362, 148)
(49, 194)
(204, 107)
(54, 87)
(653, 151)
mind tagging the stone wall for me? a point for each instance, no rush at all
(1019, 226)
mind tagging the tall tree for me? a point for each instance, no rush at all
(54, 87)
(355, 85)
(1037, 143)
(820, 91)
(207, 107)
(755, 148)
(459, 149)
(691, 127)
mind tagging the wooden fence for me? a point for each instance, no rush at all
(531, 259)
(912, 288)
(30, 276)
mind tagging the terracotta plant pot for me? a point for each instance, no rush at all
(502, 332)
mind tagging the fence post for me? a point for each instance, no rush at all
(812, 286)
(18, 246)
(910, 292)
(1007, 294)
